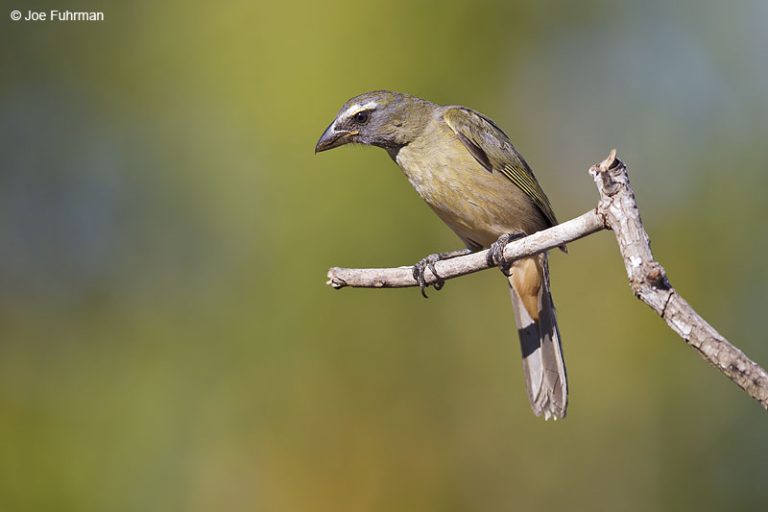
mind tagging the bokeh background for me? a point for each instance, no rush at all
(167, 340)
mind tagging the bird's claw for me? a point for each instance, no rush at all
(495, 256)
(418, 273)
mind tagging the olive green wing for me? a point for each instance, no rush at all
(493, 150)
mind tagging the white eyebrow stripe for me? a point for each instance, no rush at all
(357, 107)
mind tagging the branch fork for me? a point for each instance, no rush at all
(617, 210)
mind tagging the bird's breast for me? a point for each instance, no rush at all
(477, 204)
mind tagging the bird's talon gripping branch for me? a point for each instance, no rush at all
(439, 282)
(429, 262)
(418, 273)
(496, 251)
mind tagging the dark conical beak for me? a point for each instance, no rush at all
(333, 138)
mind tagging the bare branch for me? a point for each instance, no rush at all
(617, 210)
(650, 284)
(400, 277)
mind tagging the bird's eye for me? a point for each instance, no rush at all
(362, 117)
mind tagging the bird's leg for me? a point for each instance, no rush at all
(429, 263)
(496, 250)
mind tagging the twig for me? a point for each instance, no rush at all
(617, 210)
(400, 277)
(650, 284)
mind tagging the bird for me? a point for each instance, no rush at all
(467, 170)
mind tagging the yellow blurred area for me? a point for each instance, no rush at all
(167, 341)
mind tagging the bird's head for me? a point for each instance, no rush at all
(385, 119)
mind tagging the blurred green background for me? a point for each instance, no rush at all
(167, 340)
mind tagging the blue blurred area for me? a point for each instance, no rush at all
(168, 342)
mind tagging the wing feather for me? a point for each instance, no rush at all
(491, 147)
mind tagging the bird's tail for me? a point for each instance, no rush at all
(543, 364)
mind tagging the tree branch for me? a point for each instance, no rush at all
(617, 210)
(400, 277)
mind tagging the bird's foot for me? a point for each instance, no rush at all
(419, 269)
(495, 256)
(429, 263)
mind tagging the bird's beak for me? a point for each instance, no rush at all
(333, 138)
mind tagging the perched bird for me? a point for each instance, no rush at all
(466, 169)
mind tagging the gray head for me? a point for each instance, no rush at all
(385, 119)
